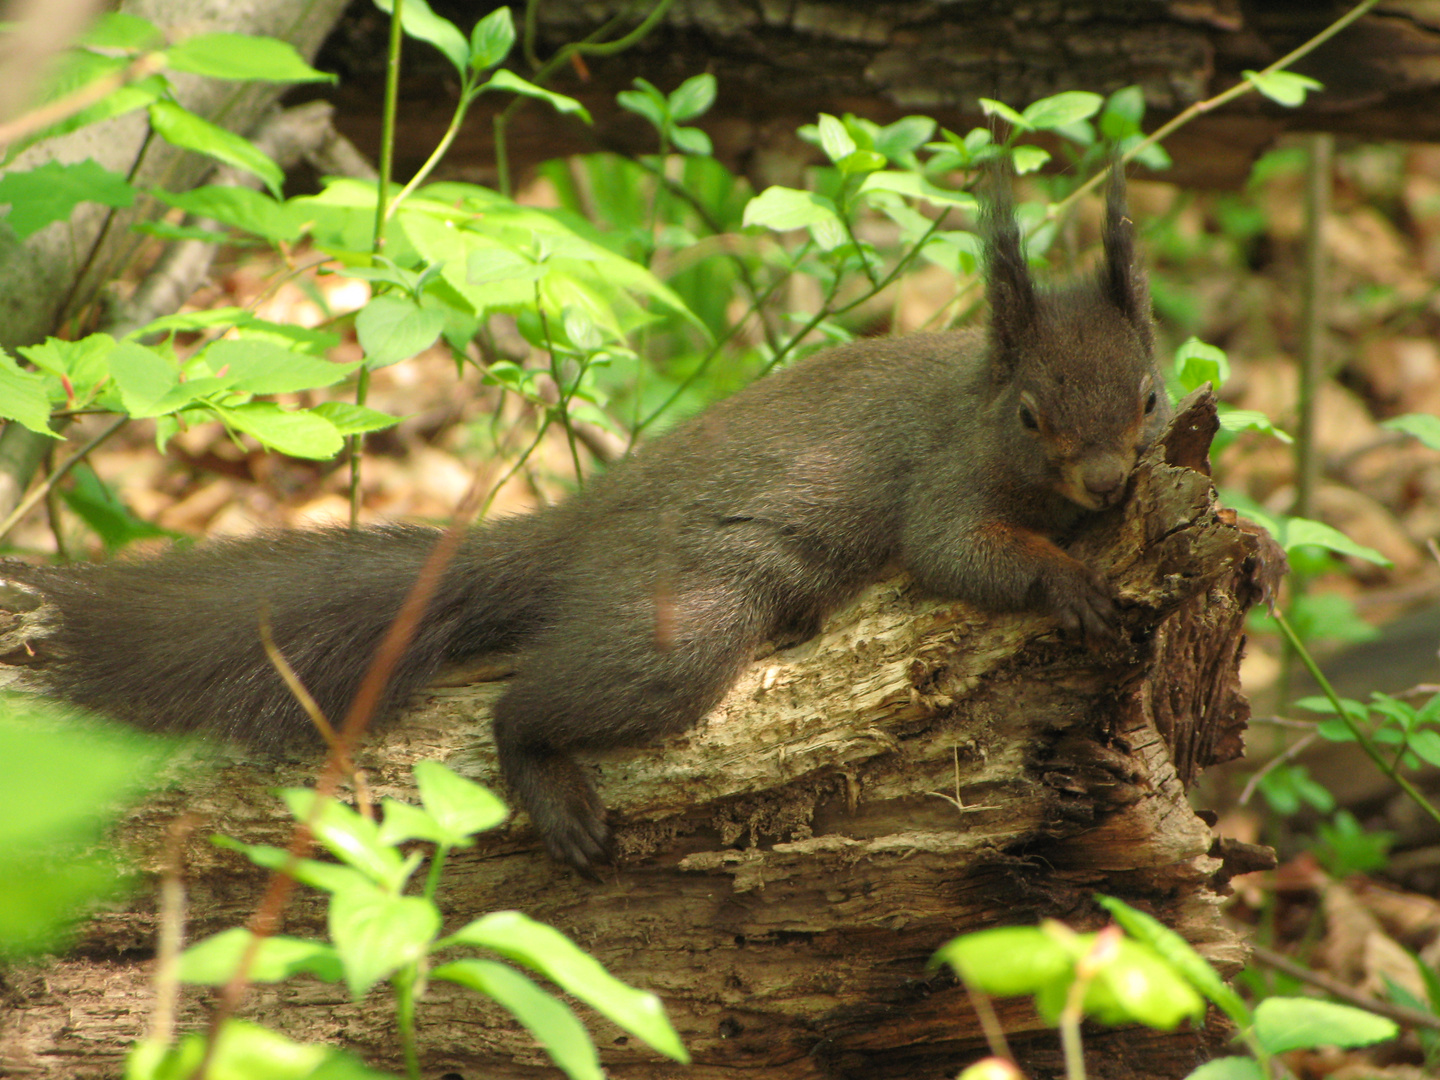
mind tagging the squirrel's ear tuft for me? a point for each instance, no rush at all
(1122, 279)
(1008, 286)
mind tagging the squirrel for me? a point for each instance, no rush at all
(964, 457)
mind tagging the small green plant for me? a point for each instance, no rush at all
(1153, 977)
(67, 781)
(380, 929)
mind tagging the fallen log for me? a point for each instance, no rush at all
(919, 770)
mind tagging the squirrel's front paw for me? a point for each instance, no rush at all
(1082, 601)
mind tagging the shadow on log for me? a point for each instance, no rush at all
(919, 770)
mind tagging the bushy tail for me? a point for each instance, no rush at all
(173, 643)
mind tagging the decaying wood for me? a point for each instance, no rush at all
(919, 770)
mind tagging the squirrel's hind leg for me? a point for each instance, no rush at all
(613, 672)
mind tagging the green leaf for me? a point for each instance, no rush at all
(84, 363)
(392, 328)
(692, 98)
(258, 367)
(508, 80)
(1063, 109)
(1229, 1068)
(299, 433)
(783, 208)
(647, 102)
(1123, 113)
(400, 822)
(1423, 426)
(834, 139)
(122, 31)
(1283, 1024)
(1332, 617)
(1297, 532)
(1137, 985)
(488, 264)
(325, 876)
(861, 161)
(143, 378)
(1029, 158)
(352, 839)
(66, 781)
(1426, 745)
(544, 949)
(1251, 420)
(184, 129)
(23, 397)
(214, 961)
(352, 419)
(1179, 954)
(462, 806)
(376, 933)
(999, 108)
(418, 21)
(1285, 87)
(50, 192)
(242, 56)
(492, 39)
(689, 140)
(245, 1051)
(1153, 156)
(105, 513)
(1197, 363)
(899, 141)
(551, 1022)
(240, 208)
(1007, 960)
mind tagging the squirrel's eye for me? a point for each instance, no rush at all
(1150, 403)
(1028, 419)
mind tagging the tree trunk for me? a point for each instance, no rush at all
(919, 770)
(779, 64)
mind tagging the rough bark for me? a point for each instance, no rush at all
(780, 62)
(919, 770)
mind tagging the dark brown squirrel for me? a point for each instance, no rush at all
(962, 457)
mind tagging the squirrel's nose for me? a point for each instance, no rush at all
(1105, 482)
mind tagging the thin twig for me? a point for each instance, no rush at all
(1361, 736)
(171, 936)
(39, 491)
(364, 801)
(1401, 1014)
(1274, 763)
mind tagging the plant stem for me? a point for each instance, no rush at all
(404, 982)
(1312, 321)
(435, 155)
(432, 876)
(589, 47)
(1070, 1018)
(1366, 743)
(382, 215)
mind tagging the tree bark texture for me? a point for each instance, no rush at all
(780, 62)
(919, 770)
